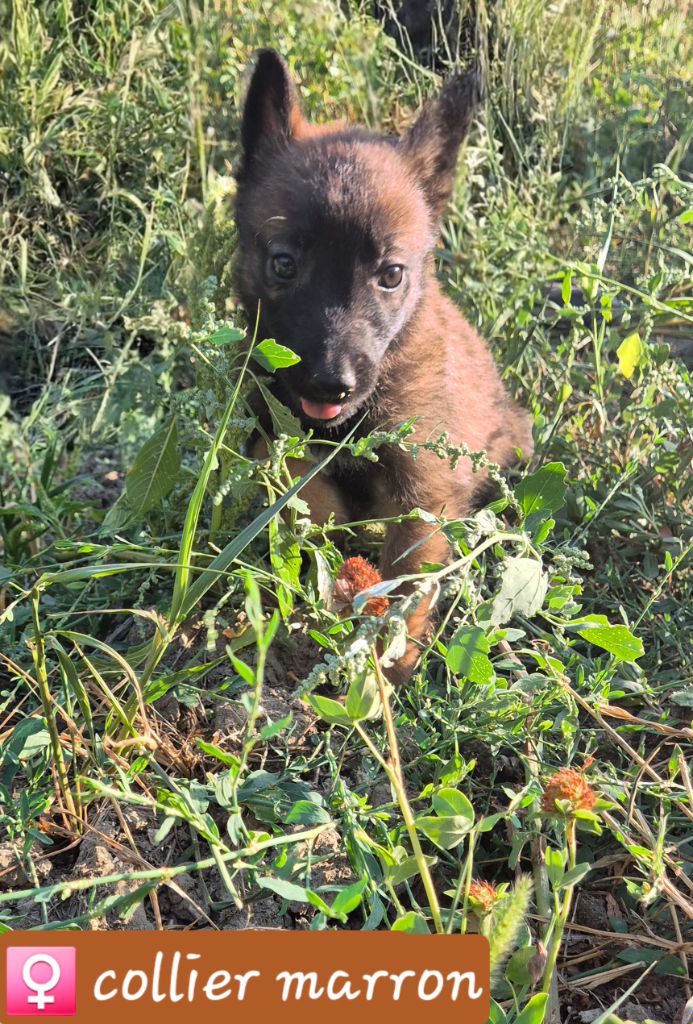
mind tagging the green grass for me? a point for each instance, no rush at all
(169, 660)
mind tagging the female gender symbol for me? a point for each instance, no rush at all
(41, 987)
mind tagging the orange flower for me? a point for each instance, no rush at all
(355, 575)
(483, 897)
(570, 786)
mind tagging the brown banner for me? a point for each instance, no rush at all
(168, 977)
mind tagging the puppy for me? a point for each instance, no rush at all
(337, 227)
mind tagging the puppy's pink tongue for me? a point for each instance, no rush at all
(320, 410)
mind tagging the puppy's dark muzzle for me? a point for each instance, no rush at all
(321, 388)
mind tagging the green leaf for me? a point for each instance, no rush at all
(305, 812)
(216, 752)
(155, 470)
(446, 832)
(283, 420)
(413, 923)
(450, 802)
(672, 966)
(318, 902)
(186, 595)
(363, 699)
(534, 1011)
(617, 640)
(285, 555)
(575, 875)
(489, 822)
(555, 865)
(273, 729)
(467, 654)
(523, 589)
(329, 710)
(407, 868)
(225, 336)
(517, 971)
(272, 356)
(244, 671)
(287, 890)
(348, 899)
(542, 493)
(29, 738)
(640, 956)
(497, 1014)
(630, 354)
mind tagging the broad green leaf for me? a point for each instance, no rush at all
(523, 589)
(449, 801)
(407, 868)
(287, 890)
(640, 956)
(155, 470)
(318, 902)
(468, 654)
(363, 698)
(348, 899)
(226, 335)
(329, 710)
(497, 1014)
(517, 971)
(118, 515)
(29, 738)
(283, 420)
(305, 812)
(630, 353)
(617, 640)
(672, 966)
(534, 1011)
(575, 874)
(446, 832)
(272, 356)
(489, 822)
(543, 492)
(413, 923)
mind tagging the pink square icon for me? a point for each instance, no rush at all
(41, 981)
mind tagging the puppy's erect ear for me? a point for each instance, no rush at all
(271, 114)
(433, 142)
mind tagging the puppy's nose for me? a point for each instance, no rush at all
(331, 389)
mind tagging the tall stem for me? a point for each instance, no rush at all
(39, 655)
(396, 776)
(564, 909)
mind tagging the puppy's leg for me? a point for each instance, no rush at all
(429, 545)
(321, 494)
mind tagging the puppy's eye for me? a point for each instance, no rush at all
(391, 277)
(283, 266)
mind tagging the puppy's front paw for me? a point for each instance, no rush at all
(401, 671)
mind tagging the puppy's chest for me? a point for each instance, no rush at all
(371, 490)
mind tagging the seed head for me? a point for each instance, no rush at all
(569, 786)
(483, 896)
(355, 575)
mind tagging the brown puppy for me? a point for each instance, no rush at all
(337, 227)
